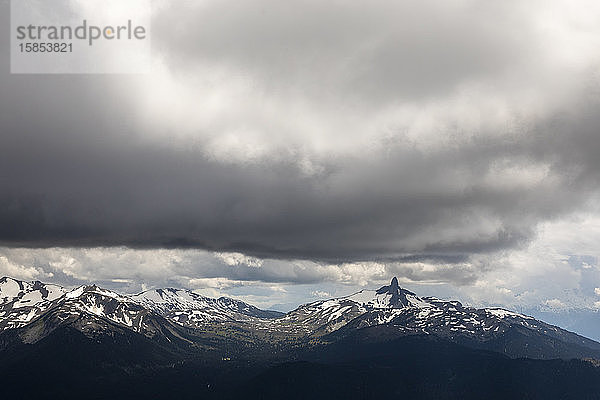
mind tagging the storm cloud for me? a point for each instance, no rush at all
(367, 132)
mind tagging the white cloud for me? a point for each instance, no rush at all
(233, 259)
(555, 304)
(320, 293)
(16, 270)
(339, 79)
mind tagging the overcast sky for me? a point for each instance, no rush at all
(280, 152)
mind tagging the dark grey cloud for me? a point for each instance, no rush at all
(87, 161)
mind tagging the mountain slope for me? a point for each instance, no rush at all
(392, 312)
(193, 310)
(182, 319)
(421, 367)
(215, 328)
(372, 344)
(21, 302)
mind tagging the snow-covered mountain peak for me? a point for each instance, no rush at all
(21, 302)
(21, 293)
(94, 290)
(10, 288)
(171, 299)
(390, 296)
(194, 310)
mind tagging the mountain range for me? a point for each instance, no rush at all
(174, 342)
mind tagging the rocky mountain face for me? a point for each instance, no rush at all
(382, 314)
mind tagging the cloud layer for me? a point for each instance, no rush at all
(558, 272)
(372, 132)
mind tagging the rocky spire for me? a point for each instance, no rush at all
(398, 295)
